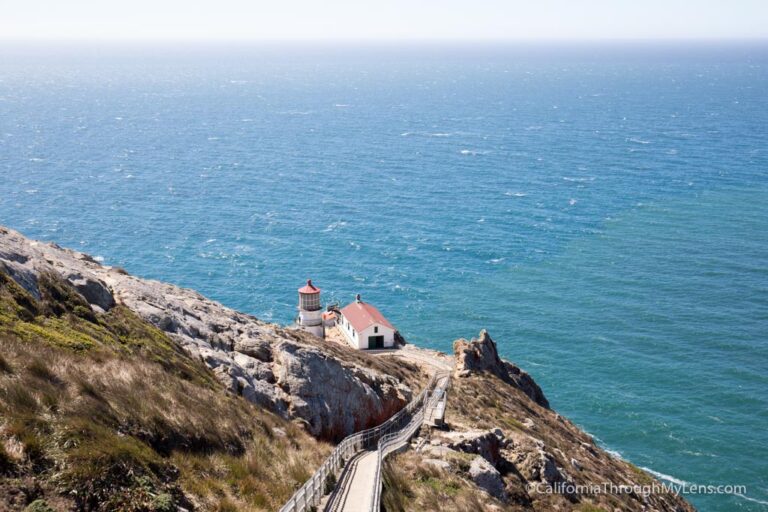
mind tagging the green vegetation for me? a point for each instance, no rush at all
(103, 412)
(38, 506)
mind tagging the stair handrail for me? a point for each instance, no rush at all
(308, 496)
(393, 442)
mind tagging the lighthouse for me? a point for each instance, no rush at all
(310, 311)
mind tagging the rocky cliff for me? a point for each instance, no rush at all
(334, 393)
(480, 355)
(504, 449)
(112, 394)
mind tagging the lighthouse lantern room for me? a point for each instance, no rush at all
(310, 310)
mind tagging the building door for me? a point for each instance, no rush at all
(375, 341)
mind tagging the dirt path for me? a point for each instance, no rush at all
(430, 360)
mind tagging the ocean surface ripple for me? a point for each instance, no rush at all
(604, 214)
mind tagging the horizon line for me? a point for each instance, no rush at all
(348, 40)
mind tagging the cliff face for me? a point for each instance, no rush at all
(332, 392)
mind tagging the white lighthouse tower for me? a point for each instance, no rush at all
(310, 311)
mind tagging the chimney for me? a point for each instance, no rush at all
(357, 298)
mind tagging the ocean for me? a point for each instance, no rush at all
(601, 209)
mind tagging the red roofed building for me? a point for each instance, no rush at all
(365, 327)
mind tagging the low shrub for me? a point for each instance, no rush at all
(38, 506)
(5, 366)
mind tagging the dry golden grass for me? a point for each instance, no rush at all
(105, 413)
(412, 485)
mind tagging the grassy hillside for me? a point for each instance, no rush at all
(103, 412)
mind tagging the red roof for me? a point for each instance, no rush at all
(362, 315)
(309, 288)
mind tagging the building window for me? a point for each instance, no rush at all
(376, 329)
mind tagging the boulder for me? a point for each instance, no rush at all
(254, 347)
(532, 461)
(487, 444)
(487, 477)
(94, 290)
(440, 464)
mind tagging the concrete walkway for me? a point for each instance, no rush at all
(358, 483)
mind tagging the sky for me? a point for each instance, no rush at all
(383, 19)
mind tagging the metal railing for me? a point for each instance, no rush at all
(396, 441)
(311, 493)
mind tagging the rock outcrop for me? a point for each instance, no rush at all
(481, 355)
(487, 443)
(532, 461)
(488, 478)
(269, 365)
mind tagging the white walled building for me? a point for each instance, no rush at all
(365, 327)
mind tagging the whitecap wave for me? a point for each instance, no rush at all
(638, 141)
(515, 194)
(663, 476)
(335, 225)
(754, 500)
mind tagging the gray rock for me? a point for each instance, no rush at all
(254, 347)
(92, 289)
(532, 460)
(437, 451)
(485, 476)
(441, 464)
(484, 443)
(24, 276)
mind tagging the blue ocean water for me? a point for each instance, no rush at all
(602, 211)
